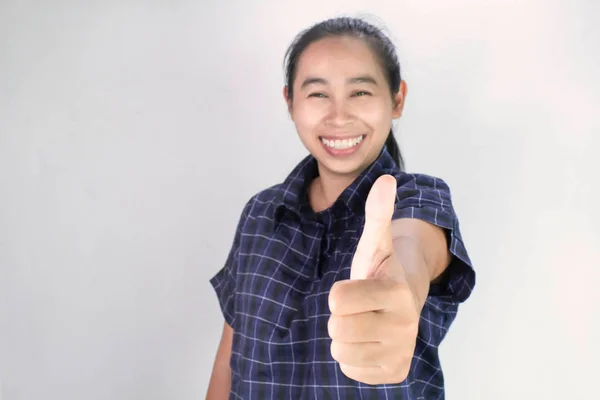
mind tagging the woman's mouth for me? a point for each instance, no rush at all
(339, 147)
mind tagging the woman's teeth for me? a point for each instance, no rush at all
(342, 144)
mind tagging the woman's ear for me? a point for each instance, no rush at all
(288, 101)
(399, 100)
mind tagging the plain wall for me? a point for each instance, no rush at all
(132, 133)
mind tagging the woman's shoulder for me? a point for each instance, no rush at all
(420, 181)
(263, 204)
(266, 198)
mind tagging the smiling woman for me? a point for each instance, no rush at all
(341, 74)
(342, 281)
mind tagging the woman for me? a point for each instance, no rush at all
(325, 294)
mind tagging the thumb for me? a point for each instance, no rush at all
(375, 244)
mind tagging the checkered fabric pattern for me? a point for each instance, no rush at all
(273, 289)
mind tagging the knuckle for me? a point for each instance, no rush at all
(402, 375)
(336, 351)
(412, 328)
(370, 380)
(401, 326)
(333, 327)
(396, 328)
(396, 288)
(353, 374)
(348, 372)
(334, 299)
(401, 371)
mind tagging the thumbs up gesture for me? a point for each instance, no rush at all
(374, 315)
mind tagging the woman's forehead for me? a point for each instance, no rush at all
(346, 56)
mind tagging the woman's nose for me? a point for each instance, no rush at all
(339, 115)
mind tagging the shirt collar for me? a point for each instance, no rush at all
(294, 190)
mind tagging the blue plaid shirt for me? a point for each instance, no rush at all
(274, 287)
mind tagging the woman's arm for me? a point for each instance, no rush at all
(428, 241)
(422, 250)
(220, 381)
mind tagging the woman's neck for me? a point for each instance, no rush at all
(325, 189)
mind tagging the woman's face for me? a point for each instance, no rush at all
(342, 105)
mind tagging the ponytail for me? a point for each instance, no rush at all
(392, 147)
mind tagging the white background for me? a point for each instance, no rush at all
(132, 133)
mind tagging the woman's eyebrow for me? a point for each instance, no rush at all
(321, 81)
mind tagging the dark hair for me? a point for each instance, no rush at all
(379, 43)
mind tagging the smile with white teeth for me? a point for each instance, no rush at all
(342, 144)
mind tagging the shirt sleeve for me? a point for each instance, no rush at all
(428, 198)
(224, 282)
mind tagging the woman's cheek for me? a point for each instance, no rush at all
(309, 116)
